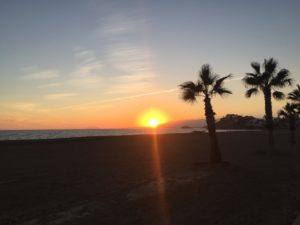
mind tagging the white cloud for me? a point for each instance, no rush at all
(58, 96)
(42, 75)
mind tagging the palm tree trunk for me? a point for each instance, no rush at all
(215, 154)
(269, 117)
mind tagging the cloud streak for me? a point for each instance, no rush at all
(50, 85)
(121, 98)
(58, 96)
(42, 75)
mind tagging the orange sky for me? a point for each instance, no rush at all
(127, 113)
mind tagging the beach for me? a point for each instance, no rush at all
(150, 180)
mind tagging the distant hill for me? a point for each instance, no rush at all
(184, 124)
(233, 121)
(230, 121)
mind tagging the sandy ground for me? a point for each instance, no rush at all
(145, 180)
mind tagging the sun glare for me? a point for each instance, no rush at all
(154, 122)
(152, 118)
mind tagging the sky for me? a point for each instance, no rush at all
(104, 64)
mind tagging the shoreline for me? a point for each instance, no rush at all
(123, 135)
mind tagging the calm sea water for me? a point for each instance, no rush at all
(54, 134)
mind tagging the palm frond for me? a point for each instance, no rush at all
(282, 79)
(286, 82)
(250, 92)
(264, 78)
(221, 91)
(219, 82)
(218, 86)
(199, 86)
(295, 94)
(206, 75)
(256, 67)
(251, 74)
(250, 80)
(270, 65)
(188, 85)
(189, 91)
(278, 95)
(188, 96)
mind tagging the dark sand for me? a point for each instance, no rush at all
(114, 180)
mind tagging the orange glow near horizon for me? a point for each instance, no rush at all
(152, 118)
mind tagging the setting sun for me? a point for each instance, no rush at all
(154, 122)
(152, 118)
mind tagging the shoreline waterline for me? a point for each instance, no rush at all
(23, 135)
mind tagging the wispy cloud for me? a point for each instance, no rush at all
(120, 24)
(88, 63)
(41, 75)
(58, 96)
(24, 106)
(126, 57)
(98, 103)
(125, 88)
(87, 73)
(89, 68)
(28, 69)
(85, 82)
(132, 78)
(84, 54)
(50, 85)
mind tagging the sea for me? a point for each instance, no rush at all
(10, 135)
(55, 134)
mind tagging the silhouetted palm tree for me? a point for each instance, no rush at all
(290, 113)
(207, 86)
(267, 81)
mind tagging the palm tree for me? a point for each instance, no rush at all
(207, 86)
(267, 82)
(290, 113)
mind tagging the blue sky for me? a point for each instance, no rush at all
(78, 55)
